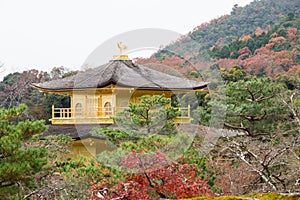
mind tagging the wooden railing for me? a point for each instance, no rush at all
(62, 112)
(185, 111)
(100, 112)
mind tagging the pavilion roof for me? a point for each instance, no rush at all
(123, 73)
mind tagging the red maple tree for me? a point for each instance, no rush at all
(156, 177)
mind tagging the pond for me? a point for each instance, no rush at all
(88, 147)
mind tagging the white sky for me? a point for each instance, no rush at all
(41, 34)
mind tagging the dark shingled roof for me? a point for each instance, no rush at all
(121, 73)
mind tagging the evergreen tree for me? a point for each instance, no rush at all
(20, 162)
(253, 106)
(152, 115)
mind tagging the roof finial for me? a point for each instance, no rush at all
(121, 56)
(122, 47)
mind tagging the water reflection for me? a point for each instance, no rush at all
(88, 147)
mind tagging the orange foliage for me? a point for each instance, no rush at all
(244, 53)
(264, 59)
(259, 31)
(269, 46)
(247, 37)
(284, 59)
(277, 40)
(262, 51)
(228, 63)
(294, 69)
(274, 35)
(292, 34)
(172, 65)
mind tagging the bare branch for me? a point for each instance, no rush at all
(236, 127)
(240, 154)
(262, 98)
(292, 109)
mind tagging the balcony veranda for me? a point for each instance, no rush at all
(101, 115)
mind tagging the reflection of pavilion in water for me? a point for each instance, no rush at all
(88, 147)
(98, 94)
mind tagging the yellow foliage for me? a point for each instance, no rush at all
(277, 40)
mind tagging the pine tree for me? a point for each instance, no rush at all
(20, 161)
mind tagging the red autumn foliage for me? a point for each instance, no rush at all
(263, 59)
(15, 89)
(274, 58)
(260, 31)
(294, 69)
(174, 65)
(285, 58)
(291, 34)
(244, 53)
(155, 178)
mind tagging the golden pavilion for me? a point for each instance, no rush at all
(98, 94)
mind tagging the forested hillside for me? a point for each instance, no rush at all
(264, 52)
(242, 21)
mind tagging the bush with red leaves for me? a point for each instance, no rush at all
(151, 181)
